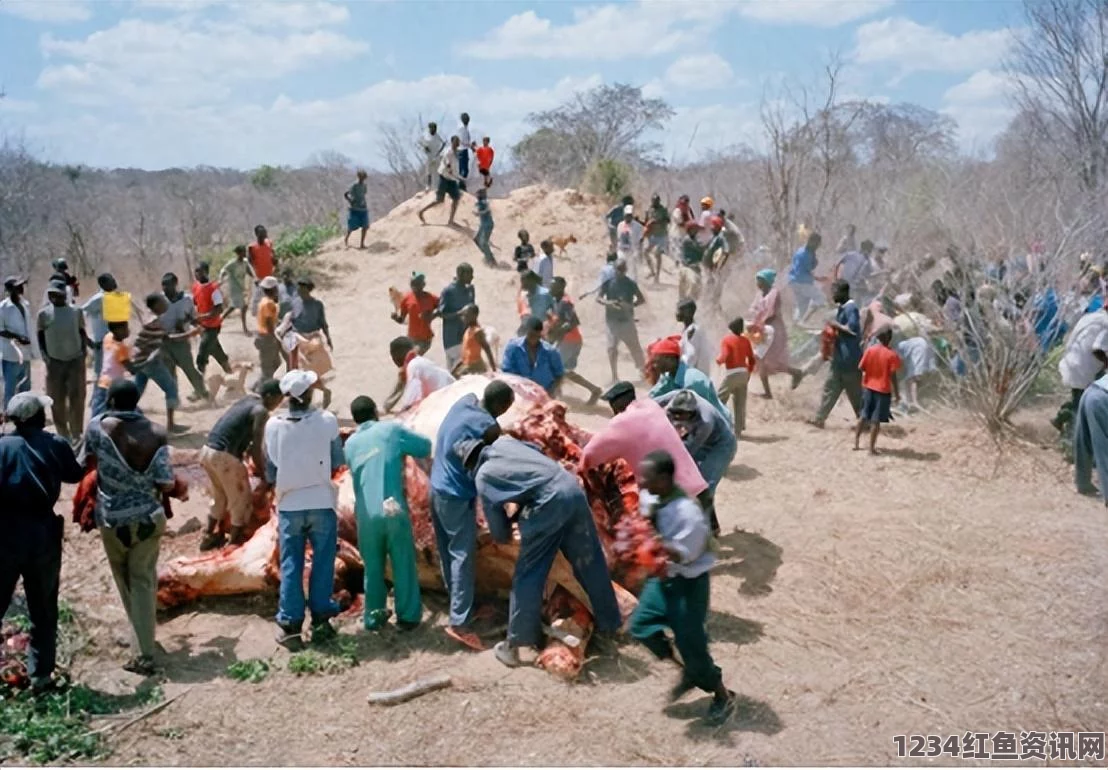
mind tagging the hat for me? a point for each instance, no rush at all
(684, 401)
(14, 280)
(297, 382)
(707, 201)
(621, 388)
(269, 282)
(668, 347)
(418, 276)
(55, 287)
(60, 264)
(24, 406)
(767, 276)
(716, 223)
(305, 281)
(465, 448)
(628, 210)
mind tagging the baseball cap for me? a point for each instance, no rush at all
(629, 209)
(24, 406)
(269, 282)
(55, 287)
(297, 382)
(621, 388)
(14, 280)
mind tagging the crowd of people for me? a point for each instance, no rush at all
(680, 434)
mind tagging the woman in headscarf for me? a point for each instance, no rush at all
(767, 320)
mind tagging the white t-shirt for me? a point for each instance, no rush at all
(1078, 367)
(704, 235)
(299, 444)
(433, 144)
(463, 134)
(695, 349)
(448, 164)
(424, 378)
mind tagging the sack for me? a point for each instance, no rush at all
(117, 307)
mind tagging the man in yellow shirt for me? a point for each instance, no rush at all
(269, 347)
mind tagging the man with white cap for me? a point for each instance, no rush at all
(33, 466)
(303, 450)
(267, 343)
(629, 241)
(553, 516)
(18, 346)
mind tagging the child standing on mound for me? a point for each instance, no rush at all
(879, 366)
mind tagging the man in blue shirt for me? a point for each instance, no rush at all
(539, 300)
(452, 300)
(847, 354)
(533, 357)
(802, 279)
(553, 516)
(33, 466)
(454, 501)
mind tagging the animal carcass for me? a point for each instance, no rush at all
(611, 489)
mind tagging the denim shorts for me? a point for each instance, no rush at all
(876, 407)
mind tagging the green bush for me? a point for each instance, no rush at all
(252, 671)
(294, 249)
(610, 178)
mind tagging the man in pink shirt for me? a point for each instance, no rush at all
(640, 427)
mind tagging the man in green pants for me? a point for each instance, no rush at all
(375, 455)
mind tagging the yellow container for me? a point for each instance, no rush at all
(117, 307)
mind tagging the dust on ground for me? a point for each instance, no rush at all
(946, 586)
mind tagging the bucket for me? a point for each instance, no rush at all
(117, 307)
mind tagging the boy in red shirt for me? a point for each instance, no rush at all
(736, 356)
(485, 155)
(418, 307)
(879, 366)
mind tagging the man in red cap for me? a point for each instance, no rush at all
(673, 374)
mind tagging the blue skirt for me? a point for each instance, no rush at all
(357, 220)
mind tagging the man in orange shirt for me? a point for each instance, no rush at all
(418, 307)
(736, 356)
(879, 388)
(263, 261)
(269, 347)
(485, 154)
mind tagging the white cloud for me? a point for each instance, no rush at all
(913, 47)
(291, 15)
(287, 130)
(700, 72)
(47, 11)
(181, 60)
(616, 31)
(981, 107)
(11, 106)
(696, 132)
(816, 13)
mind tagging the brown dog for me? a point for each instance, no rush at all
(232, 384)
(561, 242)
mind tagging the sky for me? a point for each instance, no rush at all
(177, 83)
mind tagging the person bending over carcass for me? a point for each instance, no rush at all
(303, 450)
(454, 501)
(553, 515)
(417, 378)
(33, 466)
(675, 374)
(375, 455)
(239, 431)
(707, 435)
(679, 601)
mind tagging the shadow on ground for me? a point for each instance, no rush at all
(751, 557)
(751, 716)
(742, 473)
(910, 454)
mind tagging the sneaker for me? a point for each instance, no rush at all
(377, 619)
(143, 665)
(289, 637)
(323, 632)
(507, 654)
(721, 709)
(679, 690)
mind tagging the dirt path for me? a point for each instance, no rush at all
(932, 590)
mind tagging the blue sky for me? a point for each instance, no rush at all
(163, 83)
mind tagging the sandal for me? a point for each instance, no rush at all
(142, 665)
(468, 638)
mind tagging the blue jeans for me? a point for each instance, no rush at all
(463, 163)
(157, 371)
(484, 234)
(455, 523)
(17, 379)
(97, 361)
(320, 527)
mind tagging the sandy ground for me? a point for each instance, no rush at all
(944, 587)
